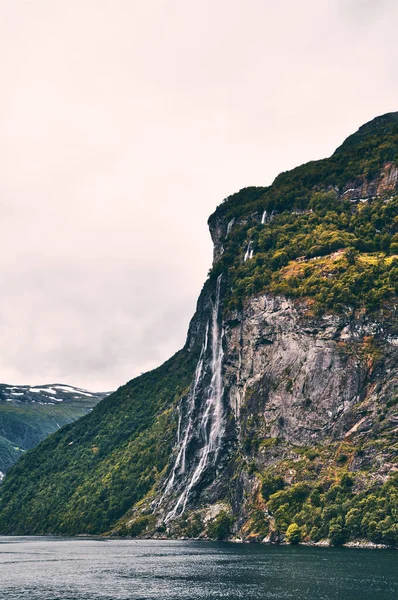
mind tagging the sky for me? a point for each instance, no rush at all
(123, 124)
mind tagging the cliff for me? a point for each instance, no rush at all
(279, 416)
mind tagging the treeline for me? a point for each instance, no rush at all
(364, 277)
(359, 159)
(334, 511)
(87, 475)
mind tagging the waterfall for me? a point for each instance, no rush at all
(263, 218)
(179, 424)
(249, 252)
(229, 226)
(181, 456)
(210, 421)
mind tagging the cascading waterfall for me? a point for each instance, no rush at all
(179, 464)
(210, 424)
(229, 226)
(179, 410)
(263, 218)
(249, 252)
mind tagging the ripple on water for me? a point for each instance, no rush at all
(92, 569)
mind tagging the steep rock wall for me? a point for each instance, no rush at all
(281, 409)
(289, 380)
(297, 380)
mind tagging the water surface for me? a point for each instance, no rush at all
(90, 569)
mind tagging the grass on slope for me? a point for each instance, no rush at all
(358, 159)
(365, 277)
(24, 425)
(9, 454)
(83, 478)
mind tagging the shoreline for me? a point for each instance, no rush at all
(354, 544)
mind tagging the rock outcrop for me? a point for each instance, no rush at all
(279, 415)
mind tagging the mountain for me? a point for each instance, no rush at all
(278, 419)
(28, 414)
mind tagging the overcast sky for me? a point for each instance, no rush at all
(123, 123)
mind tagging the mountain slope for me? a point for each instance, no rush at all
(279, 416)
(89, 473)
(28, 414)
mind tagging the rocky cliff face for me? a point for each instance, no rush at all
(279, 416)
(271, 380)
(274, 380)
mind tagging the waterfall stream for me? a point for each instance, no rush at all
(179, 465)
(249, 252)
(229, 226)
(209, 424)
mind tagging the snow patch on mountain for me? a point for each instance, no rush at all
(45, 394)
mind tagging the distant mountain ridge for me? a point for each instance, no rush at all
(48, 393)
(28, 414)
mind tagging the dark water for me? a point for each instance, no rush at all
(89, 569)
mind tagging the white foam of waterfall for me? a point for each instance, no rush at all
(249, 252)
(263, 217)
(179, 424)
(211, 425)
(181, 456)
(229, 226)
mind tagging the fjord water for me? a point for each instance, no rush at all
(91, 569)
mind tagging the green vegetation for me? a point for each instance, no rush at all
(330, 254)
(9, 454)
(271, 485)
(140, 525)
(24, 424)
(220, 527)
(359, 159)
(190, 525)
(294, 533)
(310, 218)
(86, 476)
(338, 511)
(339, 254)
